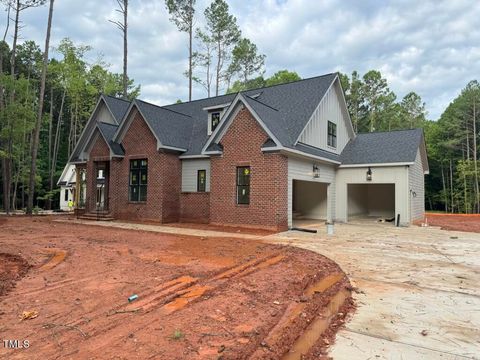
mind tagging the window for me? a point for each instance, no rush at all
(202, 180)
(66, 195)
(243, 185)
(215, 120)
(332, 134)
(138, 180)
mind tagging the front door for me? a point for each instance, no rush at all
(101, 195)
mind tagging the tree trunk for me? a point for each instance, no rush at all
(56, 142)
(38, 123)
(477, 199)
(219, 58)
(451, 187)
(125, 48)
(190, 54)
(50, 128)
(444, 190)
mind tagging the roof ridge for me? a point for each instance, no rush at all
(116, 98)
(163, 107)
(254, 89)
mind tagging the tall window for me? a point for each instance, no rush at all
(215, 120)
(138, 180)
(332, 134)
(243, 185)
(202, 180)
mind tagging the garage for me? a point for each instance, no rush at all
(309, 200)
(371, 201)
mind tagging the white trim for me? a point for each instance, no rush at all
(215, 107)
(345, 107)
(171, 148)
(194, 157)
(272, 148)
(309, 156)
(376, 165)
(216, 152)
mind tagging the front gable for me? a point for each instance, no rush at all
(97, 148)
(331, 108)
(101, 113)
(238, 105)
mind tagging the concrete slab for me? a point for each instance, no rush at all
(418, 295)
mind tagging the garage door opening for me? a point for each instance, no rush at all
(309, 203)
(371, 201)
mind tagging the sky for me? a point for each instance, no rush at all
(431, 47)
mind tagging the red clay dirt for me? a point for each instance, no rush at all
(198, 298)
(459, 222)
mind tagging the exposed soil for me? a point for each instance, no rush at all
(198, 297)
(12, 269)
(459, 222)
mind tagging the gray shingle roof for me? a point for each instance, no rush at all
(117, 106)
(316, 152)
(108, 131)
(383, 147)
(172, 127)
(285, 109)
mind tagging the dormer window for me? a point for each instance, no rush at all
(215, 120)
(214, 117)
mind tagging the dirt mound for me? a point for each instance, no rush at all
(12, 269)
(457, 222)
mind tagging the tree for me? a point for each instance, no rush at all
(246, 61)
(240, 85)
(282, 77)
(204, 59)
(222, 30)
(182, 15)
(123, 27)
(413, 109)
(36, 136)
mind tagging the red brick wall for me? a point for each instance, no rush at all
(99, 152)
(268, 182)
(195, 207)
(164, 177)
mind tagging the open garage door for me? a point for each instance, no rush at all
(309, 202)
(371, 201)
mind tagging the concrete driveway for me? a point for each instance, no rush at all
(418, 289)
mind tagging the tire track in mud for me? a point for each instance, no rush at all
(167, 298)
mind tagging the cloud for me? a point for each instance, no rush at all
(430, 47)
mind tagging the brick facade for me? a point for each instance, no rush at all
(164, 177)
(195, 207)
(165, 201)
(268, 180)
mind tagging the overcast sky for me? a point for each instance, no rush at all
(431, 47)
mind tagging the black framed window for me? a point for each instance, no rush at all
(138, 180)
(332, 134)
(215, 120)
(66, 195)
(243, 185)
(202, 180)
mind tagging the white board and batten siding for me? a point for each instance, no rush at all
(417, 188)
(302, 169)
(329, 109)
(397, 175)
(190, 169)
